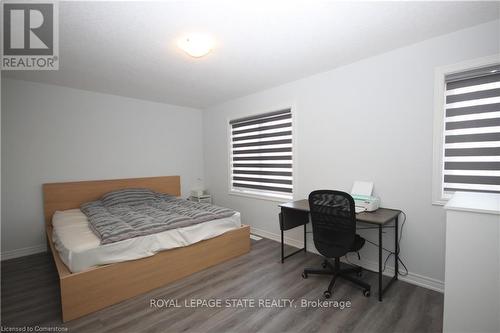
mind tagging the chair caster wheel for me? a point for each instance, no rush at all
(304, 275)
(324, 265)
(327, 294)
(366, 292)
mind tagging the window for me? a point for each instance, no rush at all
(470, 131)
(261, 160)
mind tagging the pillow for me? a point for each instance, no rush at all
(128, 196)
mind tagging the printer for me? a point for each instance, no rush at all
(363, 200)
(366, 203)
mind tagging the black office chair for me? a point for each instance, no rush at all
(334, 232)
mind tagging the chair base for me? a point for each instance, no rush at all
(335, 270)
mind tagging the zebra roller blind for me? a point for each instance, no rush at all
(262, 154)
(472, 131)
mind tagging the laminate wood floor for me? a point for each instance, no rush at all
(30, 297)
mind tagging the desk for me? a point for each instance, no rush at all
(296, 213)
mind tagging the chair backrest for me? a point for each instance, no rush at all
(333, 218)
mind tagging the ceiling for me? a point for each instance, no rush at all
(129, 48)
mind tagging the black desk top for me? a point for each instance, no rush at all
(380, 216)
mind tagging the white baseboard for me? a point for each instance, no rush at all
(413, 278)
(276, 237)
(25, 251)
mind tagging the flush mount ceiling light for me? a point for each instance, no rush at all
(196, 45)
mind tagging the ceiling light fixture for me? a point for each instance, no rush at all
(196, 45)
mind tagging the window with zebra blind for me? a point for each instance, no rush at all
(471, 133)
(261, 159)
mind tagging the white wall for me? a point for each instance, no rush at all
(370, 120)
(472, 219)
(53, 134)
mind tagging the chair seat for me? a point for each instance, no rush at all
(357, 244)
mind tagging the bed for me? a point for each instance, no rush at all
(90, 289)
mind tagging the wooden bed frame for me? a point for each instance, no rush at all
(99, 287)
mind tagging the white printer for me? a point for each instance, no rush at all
(362, 194)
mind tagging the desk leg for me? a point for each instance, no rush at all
(396, 259)
(305, 238)
(282, 248)
(288, 220)
(380, 263)
(280, 217)
(396, 246)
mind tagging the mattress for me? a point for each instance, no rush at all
(80, 249)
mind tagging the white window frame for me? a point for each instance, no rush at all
(439, 113)
(256, 195)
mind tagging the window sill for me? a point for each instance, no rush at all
(440, 202)
(484, 203)
(260, 197)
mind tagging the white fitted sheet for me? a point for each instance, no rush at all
(80, 249)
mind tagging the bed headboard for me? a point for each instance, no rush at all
(62, 196)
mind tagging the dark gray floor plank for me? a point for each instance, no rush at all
(30, 296)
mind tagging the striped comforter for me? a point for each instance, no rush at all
(113, 223)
